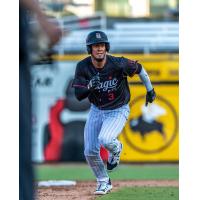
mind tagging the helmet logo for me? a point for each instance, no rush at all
(98, 35)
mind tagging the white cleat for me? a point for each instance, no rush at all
(113, 160)
(103, 187)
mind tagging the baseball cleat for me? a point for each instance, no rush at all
(103, 187)
(113, 159)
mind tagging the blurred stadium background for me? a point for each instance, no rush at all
(145, 30)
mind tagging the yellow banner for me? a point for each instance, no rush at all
(151, 133)
(160, 67)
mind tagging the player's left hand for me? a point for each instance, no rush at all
(150, 96)
(94, 82)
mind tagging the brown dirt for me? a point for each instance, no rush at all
(84, 190)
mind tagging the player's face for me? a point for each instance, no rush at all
(99, 51)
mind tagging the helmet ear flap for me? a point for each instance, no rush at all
(107, 47)
(89, 49)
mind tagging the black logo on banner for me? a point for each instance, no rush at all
(151, 129)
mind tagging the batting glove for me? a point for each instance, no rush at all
(150, 96)
(94, 82)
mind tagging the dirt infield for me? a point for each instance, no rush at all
(84, 190)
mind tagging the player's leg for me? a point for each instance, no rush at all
(92, 151)
(113, 124)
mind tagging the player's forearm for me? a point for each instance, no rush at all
(145, 79)
(81, 93)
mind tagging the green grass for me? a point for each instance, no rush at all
(143, 193)
(124, 172)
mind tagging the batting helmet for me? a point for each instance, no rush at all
(96, 37)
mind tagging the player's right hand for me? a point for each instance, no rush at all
(94, 82)
(150, 97)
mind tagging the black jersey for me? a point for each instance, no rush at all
(113, 91)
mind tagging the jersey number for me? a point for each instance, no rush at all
(111, 96)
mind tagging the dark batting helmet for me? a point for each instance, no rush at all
(97, 37)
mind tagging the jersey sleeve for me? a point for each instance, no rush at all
(79, 80)
(130, 67)
(80, 84)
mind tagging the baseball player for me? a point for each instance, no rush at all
(102, 78)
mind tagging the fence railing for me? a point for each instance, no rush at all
(142, 37)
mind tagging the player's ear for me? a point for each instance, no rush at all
(89, 49)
